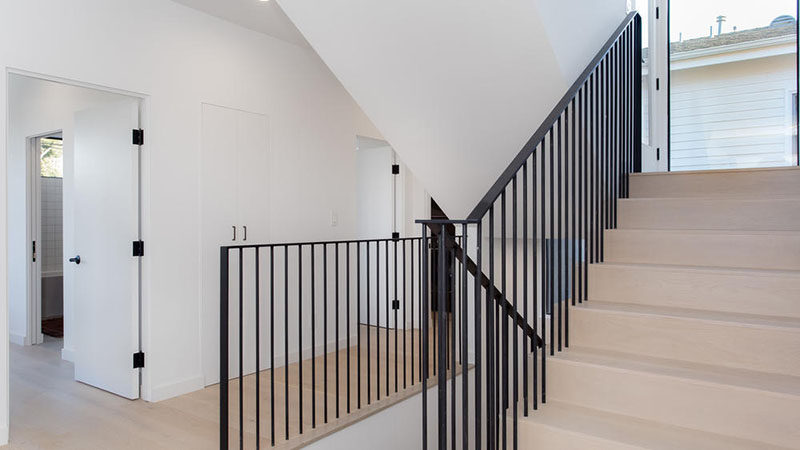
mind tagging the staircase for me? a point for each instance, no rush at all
(690, 337)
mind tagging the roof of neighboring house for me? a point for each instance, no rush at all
(736, 37)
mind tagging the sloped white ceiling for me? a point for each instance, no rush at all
(264, 17)
(456, 86)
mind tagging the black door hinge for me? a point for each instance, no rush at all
(395, 169)
(395, 304)
(656, 12)
(138, 360)
(138, 137)
(138, 248)
(658, 83)
(658, 153)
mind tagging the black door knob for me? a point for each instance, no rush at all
(76, 259)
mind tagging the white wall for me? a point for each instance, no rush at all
(178, 58)
(400, 426)
(36, 107)
(456, 87)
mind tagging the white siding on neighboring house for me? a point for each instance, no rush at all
(732, 114)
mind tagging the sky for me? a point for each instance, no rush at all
(693, 17)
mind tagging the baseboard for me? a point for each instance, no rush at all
(169, 390)
(15, 338)
(68, 354)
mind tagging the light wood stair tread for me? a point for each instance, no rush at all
(703, 231)
(692, 372)
(631, 431)
(696, 269)
(694, 314)
(715, 171)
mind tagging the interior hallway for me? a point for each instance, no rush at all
(50, 410)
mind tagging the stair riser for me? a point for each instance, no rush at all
(761, 251)
(755, 183)
(723, 409)
(737, 292)
(729, 344)
(709, 214)
(534, 435)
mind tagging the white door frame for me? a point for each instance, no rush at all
(144, 204)
(33, 334)
(655, 75)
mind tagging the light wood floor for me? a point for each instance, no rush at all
(49, 410)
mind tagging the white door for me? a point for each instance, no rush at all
(218, 205)
(106, 178)
(234, 211)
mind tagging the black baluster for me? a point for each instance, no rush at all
(442, 319)
(300, 336)
(559, 237)
(425, 338)
(477, 334)
(241, 347)
(336, 326)
(347, 319)
(258, 349)
(491, 348)
(358, 324)
(325, 332)
(286, 338)
(272, 343)
(525, 286)
(313, 339)
(224, 294)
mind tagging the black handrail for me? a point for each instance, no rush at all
(570, 173)
(483, 205)
(472, 269)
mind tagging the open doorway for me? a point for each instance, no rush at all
(46, 219)
(74, 226)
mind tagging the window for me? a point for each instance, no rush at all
(732, 64)
(52, 157)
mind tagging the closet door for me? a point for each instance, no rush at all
(218, 204)
(234, 194)
(253, 176)
(253, 218)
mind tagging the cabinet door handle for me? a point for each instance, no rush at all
(245, 232)
(234, 232)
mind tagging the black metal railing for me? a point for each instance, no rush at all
(551, 206)
(339, 321)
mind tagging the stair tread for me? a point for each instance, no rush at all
(704, 269)
(694, 314)
(715, 199)
(716, 171)
(703, 373)
(703, 231)
(632, 431)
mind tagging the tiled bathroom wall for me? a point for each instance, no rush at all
(51, 247)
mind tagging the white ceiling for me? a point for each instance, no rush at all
(264, 17)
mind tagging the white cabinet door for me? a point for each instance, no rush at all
(106, 223)
(218, 205)
(253, 175)
(234, 193)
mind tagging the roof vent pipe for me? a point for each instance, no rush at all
(720, 19)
